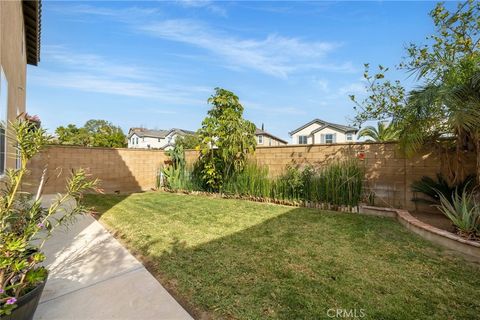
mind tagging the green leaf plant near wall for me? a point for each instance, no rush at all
(333, 186)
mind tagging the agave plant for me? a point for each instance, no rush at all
(464, 212)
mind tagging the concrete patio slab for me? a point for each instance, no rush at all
(92, 276)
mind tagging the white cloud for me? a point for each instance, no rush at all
(208, 4)
(93, 73)
(322, 84)
(353, 88)
(124, 15)
(274, 55)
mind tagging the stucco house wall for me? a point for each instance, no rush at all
(13, 63)
(339, 136)
(152, 142)
(305, 132)
(268, 141)
(318, 128)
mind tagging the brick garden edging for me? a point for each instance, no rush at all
(468, 248)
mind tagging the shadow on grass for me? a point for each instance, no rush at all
(100, 204)
(303, 263)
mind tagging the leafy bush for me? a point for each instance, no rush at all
(181, 178)
(25, 224)
(290, 185)
(463, 210)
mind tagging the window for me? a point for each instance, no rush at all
(302, 139)
(349, 137)
(260, 139)
(3, 119)
(159, 139)
(329, 138)
(137, 141)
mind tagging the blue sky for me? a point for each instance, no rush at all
(154, 64)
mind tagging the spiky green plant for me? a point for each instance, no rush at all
(431, 188)
(464, 212)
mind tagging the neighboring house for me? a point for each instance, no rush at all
(265, 139)
(320, 131)
(142, 138)
(19, 46)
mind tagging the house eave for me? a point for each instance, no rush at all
(32, 12)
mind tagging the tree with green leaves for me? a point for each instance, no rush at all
(382, 133)
(188, 141)
(446, 101)
(95, 133)
(226, 139)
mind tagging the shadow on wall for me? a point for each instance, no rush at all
(119, 170)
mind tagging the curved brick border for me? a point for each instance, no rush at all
(441, 237)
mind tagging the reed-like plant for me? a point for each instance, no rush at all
(337, 184)
(251, 181)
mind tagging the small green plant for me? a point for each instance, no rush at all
(464, 212)
(24, 224)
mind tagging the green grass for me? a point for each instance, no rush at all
(246, 260)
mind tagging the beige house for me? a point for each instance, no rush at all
(141, 138)
(265, 139)
(322, 132)
(19, 46)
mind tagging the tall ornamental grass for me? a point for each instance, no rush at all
(251, 181)
(336, 184)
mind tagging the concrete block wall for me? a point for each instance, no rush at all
(388, 173)
(120, 170)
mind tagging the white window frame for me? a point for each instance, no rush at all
(329, 138)
(304, 138)
(260, 139)
(3, 104)
(349, 137)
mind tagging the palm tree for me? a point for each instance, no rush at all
(440, 111)
(383, 133)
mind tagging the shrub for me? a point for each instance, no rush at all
(433, 188)
(463, 210)
(339, 183)
(25, 224)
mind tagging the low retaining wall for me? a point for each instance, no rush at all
(467, 248)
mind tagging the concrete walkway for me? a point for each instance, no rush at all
(92, 276)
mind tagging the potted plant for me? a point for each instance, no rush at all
(25, 225)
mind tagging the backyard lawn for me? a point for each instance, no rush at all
(237, 259)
